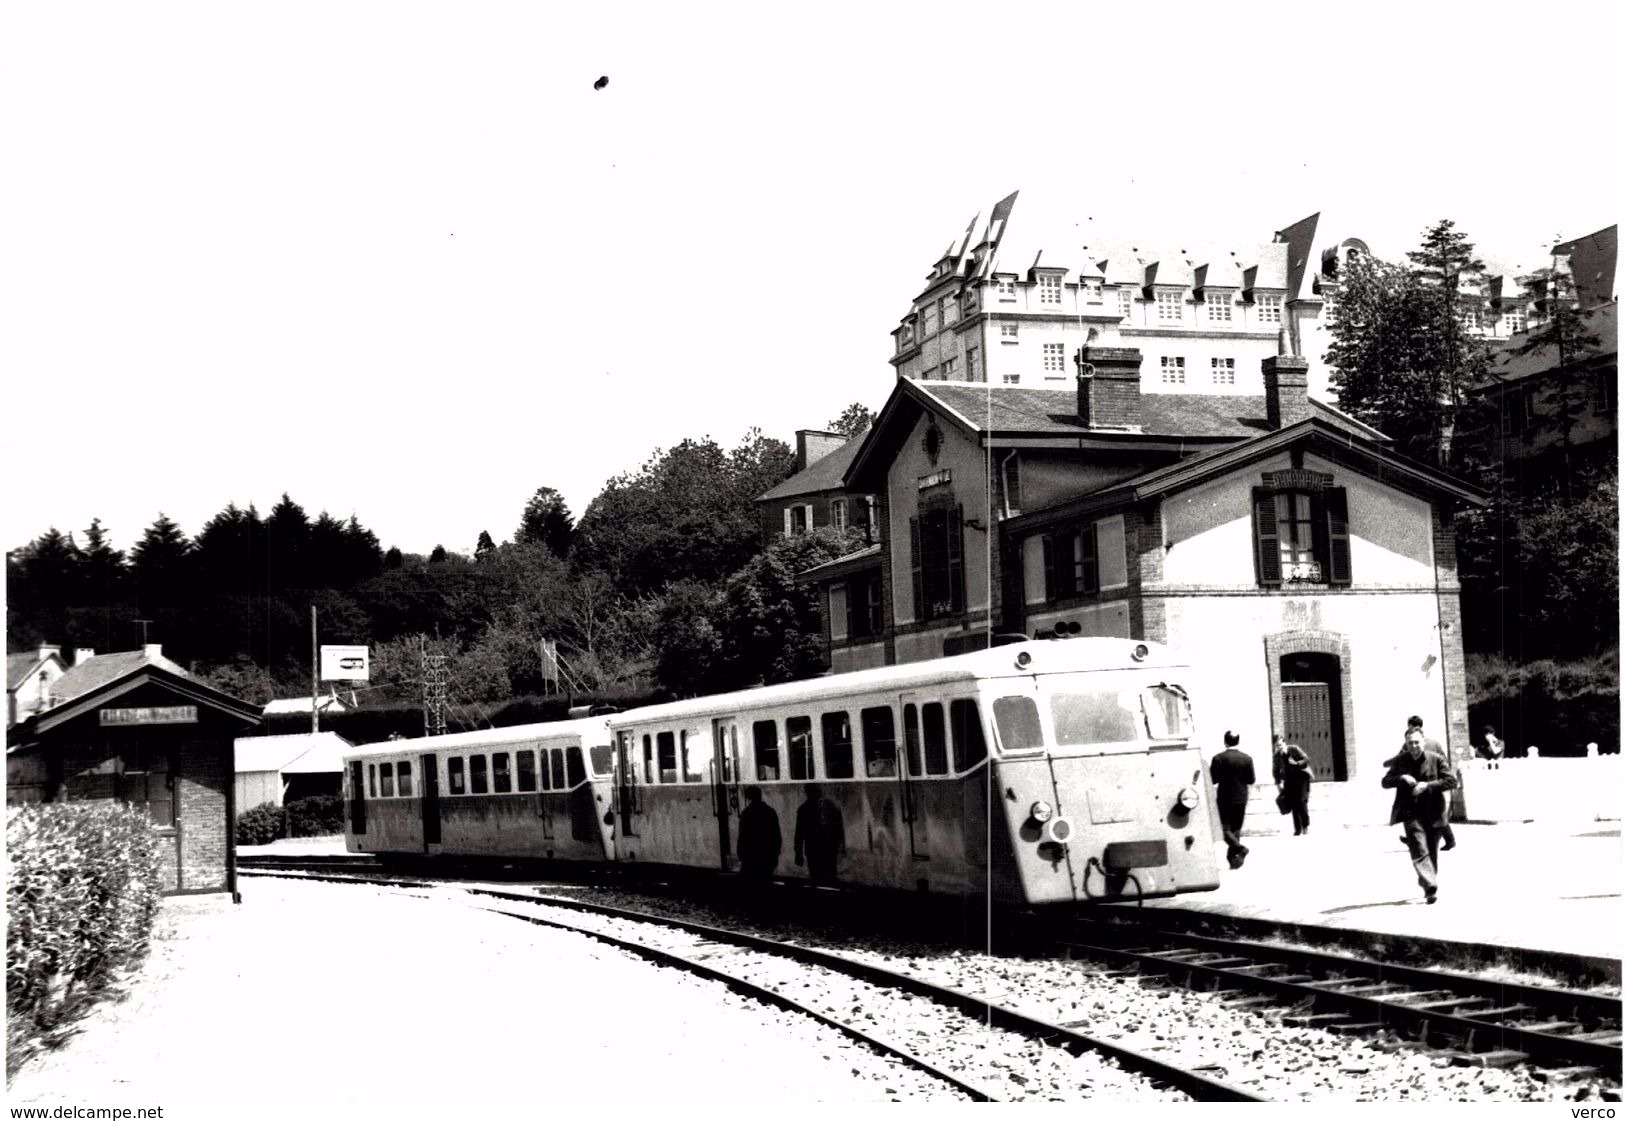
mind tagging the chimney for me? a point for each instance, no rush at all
(1286, 390)
(153, 650)
(813, 445)
(1109, 387)
(46, 651)
(82, 654)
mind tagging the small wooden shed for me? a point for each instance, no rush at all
(282, 769)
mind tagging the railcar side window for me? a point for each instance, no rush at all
(454, 776)
(573, 770)
(879, 742)
(386, 781)
(556, 757)
(936, 739)
(666, 745)
(1101, 716)
(725, 756)
(799, 738)
(527, 771)
(766, 735)
(648, 758)
(1016, 721)
(966, 724)
(372, 780)
(476, 775)
(404, 786)
(837, 729)
(602, 758)
(696, 756)
(501, 776)
(546, 774)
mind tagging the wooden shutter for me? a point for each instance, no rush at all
(921, 613)
(1012, 486)
(1089, 563)
(1338, 569)
(854, 593)
(956, 558)
(1266, 538)
(1051, 587)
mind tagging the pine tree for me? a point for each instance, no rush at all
(546, 521)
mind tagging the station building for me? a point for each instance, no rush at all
(134, 727)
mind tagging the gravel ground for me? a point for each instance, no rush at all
(1249, 1048)
(314, 994)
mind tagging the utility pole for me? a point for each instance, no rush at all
(434, 692)
(143, 623)
(314, 671)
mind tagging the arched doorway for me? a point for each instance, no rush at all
(1312, 711)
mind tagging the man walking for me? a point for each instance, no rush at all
(1431, 744)
(1419, 779)
(760, 841)
(1232, 773)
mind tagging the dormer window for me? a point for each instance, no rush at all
(1007, 287)
(1170, 305)
(1093, 290)
(1269, 309)
(1125, 304)
(1514, 319)
(1218, 305)
(1049, 289)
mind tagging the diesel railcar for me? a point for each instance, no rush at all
(537, 791)
(1047, 772)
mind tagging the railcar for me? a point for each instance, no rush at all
(531, 791)
(1050, 772)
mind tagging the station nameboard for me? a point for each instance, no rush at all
(344, 663)
(161, 714)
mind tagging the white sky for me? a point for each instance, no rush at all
(401, 260)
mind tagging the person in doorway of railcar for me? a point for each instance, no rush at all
(1419, 779)
(1431, 744)
(820, 835)
(1232, 773)
(760, 841)
(1293, 776)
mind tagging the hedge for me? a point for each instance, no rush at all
(83, 883)
(1557, 706)
(260, 825)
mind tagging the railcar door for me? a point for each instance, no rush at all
(550, 772)
(626, 785)
(358, 802)
(725, 785)
(430, 778)
(909, 768)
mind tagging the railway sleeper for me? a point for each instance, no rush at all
(1315, 1019)
(1381, 988)
(1607, 1035)
(1505, 1012)
(1455, 1004)
(1414, 998)
(1564, 1028)
(1497, 1058)
(1352, 1027)
(1251, 1002)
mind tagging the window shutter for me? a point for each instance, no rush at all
(1090, 558)
(1012, 486)
(854, 593)
(1339, 570)
(787, 521)
(1266, 538)
(1052, 589)
(921, 614)
(956, 559)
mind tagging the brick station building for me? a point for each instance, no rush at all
(137, 728)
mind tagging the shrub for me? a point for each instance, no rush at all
(318, 816)
(260, 825)
(83, 884)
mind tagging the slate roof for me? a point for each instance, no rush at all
(822, 476)
(92, 673)
(1506, 366)
(19, 666)
(301, 754)
(1018, 410)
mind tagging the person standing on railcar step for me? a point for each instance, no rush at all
(820, 835)
(1431, 744)
(1232, 773)
(760, 841)
(1419, 779)
(1293, 776)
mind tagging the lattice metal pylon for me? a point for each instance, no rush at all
(434, 693)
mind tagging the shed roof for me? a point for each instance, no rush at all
(287, 706)
(19, 666)
(300, 754)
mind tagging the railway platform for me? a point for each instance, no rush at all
(1525, 890)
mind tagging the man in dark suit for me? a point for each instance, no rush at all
(1431, 744)
(1419, 779)
(760, 841)
(1232, 773)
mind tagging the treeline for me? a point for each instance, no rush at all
(662, 585)
(1539, 566)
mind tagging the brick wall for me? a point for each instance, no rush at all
(200, 799)
(1454, 658)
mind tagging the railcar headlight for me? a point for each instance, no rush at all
(1042, 812)
(1058, 831)
(1189, 799)
(1023, 660)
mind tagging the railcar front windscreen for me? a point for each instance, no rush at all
(1117, 712)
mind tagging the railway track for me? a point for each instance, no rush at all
(729, 956)
(1479, 1021)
